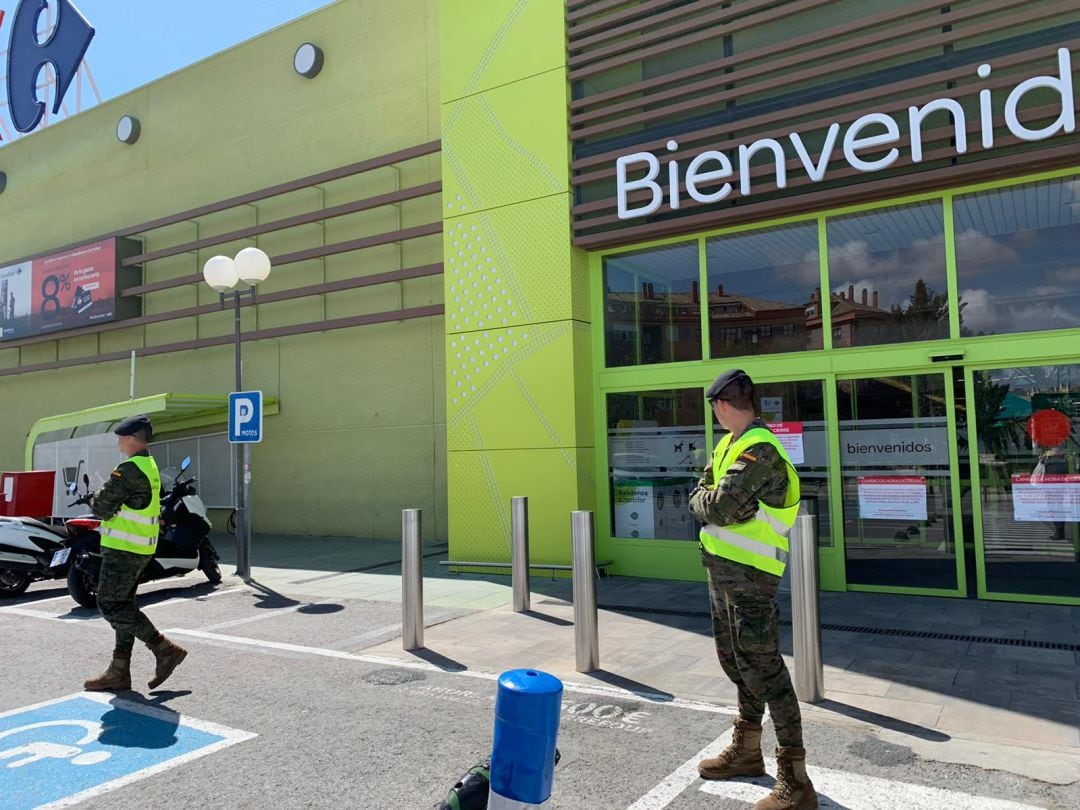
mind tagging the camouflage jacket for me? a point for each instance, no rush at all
(127, 486)
(759, 474)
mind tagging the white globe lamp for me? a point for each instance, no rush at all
(220, 273)
(252, 265)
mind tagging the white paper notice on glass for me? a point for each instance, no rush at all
(9, 489)
(892, 497)
(790, 435)
(1047, 498)
(772, 409)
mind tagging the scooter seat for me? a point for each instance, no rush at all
(59, 531)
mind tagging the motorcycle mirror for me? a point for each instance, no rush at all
(86, 480)
(185, 463)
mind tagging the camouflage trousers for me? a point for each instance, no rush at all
(746, 629)
(120, 573)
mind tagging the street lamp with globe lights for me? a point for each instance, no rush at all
(250, 266)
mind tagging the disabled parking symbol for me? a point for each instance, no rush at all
(73, 748)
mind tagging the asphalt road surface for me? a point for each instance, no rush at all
(279, 705)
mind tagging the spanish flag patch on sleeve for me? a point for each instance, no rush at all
(748, 456)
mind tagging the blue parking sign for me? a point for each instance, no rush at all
(245, 417)
(84, 745)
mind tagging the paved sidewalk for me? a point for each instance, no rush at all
(1001, 692)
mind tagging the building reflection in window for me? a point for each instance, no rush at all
(763, 290)
(1016, 258)
(652, 313)
(656, 452)
(1028, 422)
(887, 276)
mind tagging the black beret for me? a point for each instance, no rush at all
(724, 380)
(133, 424)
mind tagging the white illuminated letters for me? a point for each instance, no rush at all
(871, 143)
(915, 119)
(816, 171)
(853, 141)
(626, 186)
(1066, 122)
(694, 175)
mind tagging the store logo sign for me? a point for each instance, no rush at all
(26, 57)
(869, 133)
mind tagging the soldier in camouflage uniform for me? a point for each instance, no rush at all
(125, 497)
(745, 616)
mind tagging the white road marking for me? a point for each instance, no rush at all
(231, 736)
(52, 617)
(42, 601)
(66, 617)
(681, 778)
(264, 614)
(852, 791)
(585, 689)
(181, 600)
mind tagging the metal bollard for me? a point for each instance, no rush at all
(412, 581)
(805, 613)
(586, 637)
(519, 552)
(527, 709)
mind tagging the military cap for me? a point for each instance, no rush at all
(724, 380)
(133, 424)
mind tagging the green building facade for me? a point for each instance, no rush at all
(514, 242)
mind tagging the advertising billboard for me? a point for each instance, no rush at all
(67, 290)
(15, 284)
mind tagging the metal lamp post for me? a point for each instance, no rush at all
(250, 266)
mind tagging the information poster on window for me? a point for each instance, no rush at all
(892, 497)
(790, 436)
(1047, 498)
(657, 448)
(772, 409)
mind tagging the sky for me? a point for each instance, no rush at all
(138, 41)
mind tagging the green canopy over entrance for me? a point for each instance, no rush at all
(169, 412)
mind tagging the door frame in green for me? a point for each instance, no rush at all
(954, 484)
(1013, 360)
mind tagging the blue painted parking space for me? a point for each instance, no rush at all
(82, 745)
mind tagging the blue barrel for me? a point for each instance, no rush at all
(527, 712)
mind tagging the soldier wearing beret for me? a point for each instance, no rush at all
(129, 504)
(747, 500)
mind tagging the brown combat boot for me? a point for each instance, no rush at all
(741, 758)
(793, 789)
(117, 676)
(168, 657)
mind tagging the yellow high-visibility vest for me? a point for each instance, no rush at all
(136, 530)
(760, 542)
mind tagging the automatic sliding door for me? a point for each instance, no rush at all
(1028, 424)
(897, 489)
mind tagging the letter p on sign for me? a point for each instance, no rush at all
(245, 417)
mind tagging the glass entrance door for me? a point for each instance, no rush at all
(898, 465)
(1026, 469)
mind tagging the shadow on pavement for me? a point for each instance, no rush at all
(127, 729)
(267, 597)
(883, 720)
(998, 655)
(439, 660)
(630, 685)
(320, 608)
(549, 619)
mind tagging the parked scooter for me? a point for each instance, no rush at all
(183, 543)
(31, 551)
